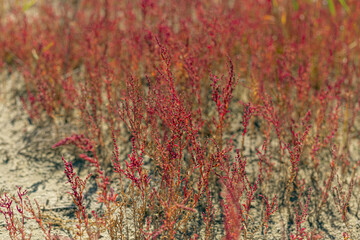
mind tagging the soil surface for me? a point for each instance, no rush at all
(28, 161)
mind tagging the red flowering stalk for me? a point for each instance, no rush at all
(300, 219)
(342, 199)
(78, 187)
(264, 159)
(16, 226)
(249, 110)
(238, 194)
(268, 111)
(222, 97)
(172, 139)
(134, 168)
(270, 210)
(79, 141)
(328, 184)
(87, 145)
(295, 152)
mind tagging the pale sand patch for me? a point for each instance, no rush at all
(27, 160)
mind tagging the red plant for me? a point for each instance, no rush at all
(300, 219)
(78, 187)
(152, 89)
(16, 225)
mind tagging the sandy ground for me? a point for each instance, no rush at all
(27, 160)
(22, 161)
